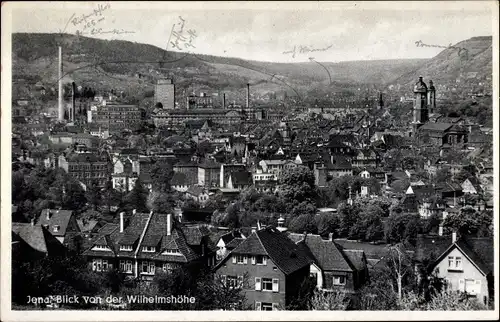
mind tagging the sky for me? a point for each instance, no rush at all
(270, 32)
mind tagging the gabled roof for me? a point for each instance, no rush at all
(325, 252)
(431, 247)
(57, 217)
(133, 231)
(284, 253)
(33, 235)
(479, 250)
(357, 258)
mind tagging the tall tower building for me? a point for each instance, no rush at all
(420, 109)
(165, 93)
(431, 97)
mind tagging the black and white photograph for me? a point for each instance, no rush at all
(212, 160)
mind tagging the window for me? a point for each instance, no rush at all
(167, 267)
(127, 248)
(267, 284)
(149, 249)
(266, 306)
(241, 259)
(232, 281)
(101, 247)
(339, 280)
(126, 266)
(148, 267)
(172, 251)
(99, 264)
(454, 263)
(261, 260)
(56, 228)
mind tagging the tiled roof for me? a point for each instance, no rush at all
(436, 126)
(178, 179)
(326, 253)
(59, 218)
(284, 253)
(480, 250)
(33, 235)
(357, 258)
(241, 178)
(371, 251)
(195, 190)
(431, 247)
(132, 233)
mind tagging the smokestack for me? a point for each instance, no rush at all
(248, 95)
(169, 224)
(60, 88)
(122, 225)
(73, 91)
(454, 237)
(224, 100)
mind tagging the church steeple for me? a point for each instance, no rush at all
(420, 108)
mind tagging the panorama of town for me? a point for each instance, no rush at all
(185, 197)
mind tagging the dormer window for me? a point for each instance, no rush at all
(101, 247)
(172, 251)
(149, 249)
(56, 228)
(126, 248)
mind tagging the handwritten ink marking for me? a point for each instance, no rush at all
(419, 43)
(304, 50)
(178, 37)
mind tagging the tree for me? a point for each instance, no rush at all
(137, 198)
(349, 216)
(161, 174)
(470, 222)
(402, 228)
(327, 223)
(303, 223)
(93, 195)
(296, 185)
(329, 301)
(400, 264)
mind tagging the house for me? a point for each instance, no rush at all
(222, 240)
(197, 193)
(226, 170)
(209, 174)
(179, 182)
(150, 243)
(339, 166)
(239, 180)
(61, 224)
(333, 268)
(467, 266)
(31, 242)
(274, 265)
(471, 185)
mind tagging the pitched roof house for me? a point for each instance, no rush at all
(150, 243)
(60, 223)
(333, 267)
(467, 265)
(274, 265)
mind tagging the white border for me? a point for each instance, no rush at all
(8, 315)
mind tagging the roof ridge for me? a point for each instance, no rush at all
(143, 233)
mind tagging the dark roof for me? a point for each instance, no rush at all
(357, 258)
(134, 229)
(284, 253)
(33, 235)
(241, 178)
(478, 249)
(325, 252)
(178, 179)
(431, 247)
(372, 251)
(57, 217)
(436, 126)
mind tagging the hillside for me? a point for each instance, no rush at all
(469, 56)
(122, 64)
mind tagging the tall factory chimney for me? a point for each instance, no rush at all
(248, 95)
(60, 88)
(73, 91)
(223, 100)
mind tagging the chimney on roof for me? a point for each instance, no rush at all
(254, 229)
(134, 211)
(440, 233)
(258, 225)
(169, 224)
(304, 236)
(122, 224)
(330, 236)
(454, 237)
(48, 214)
(33, 221)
